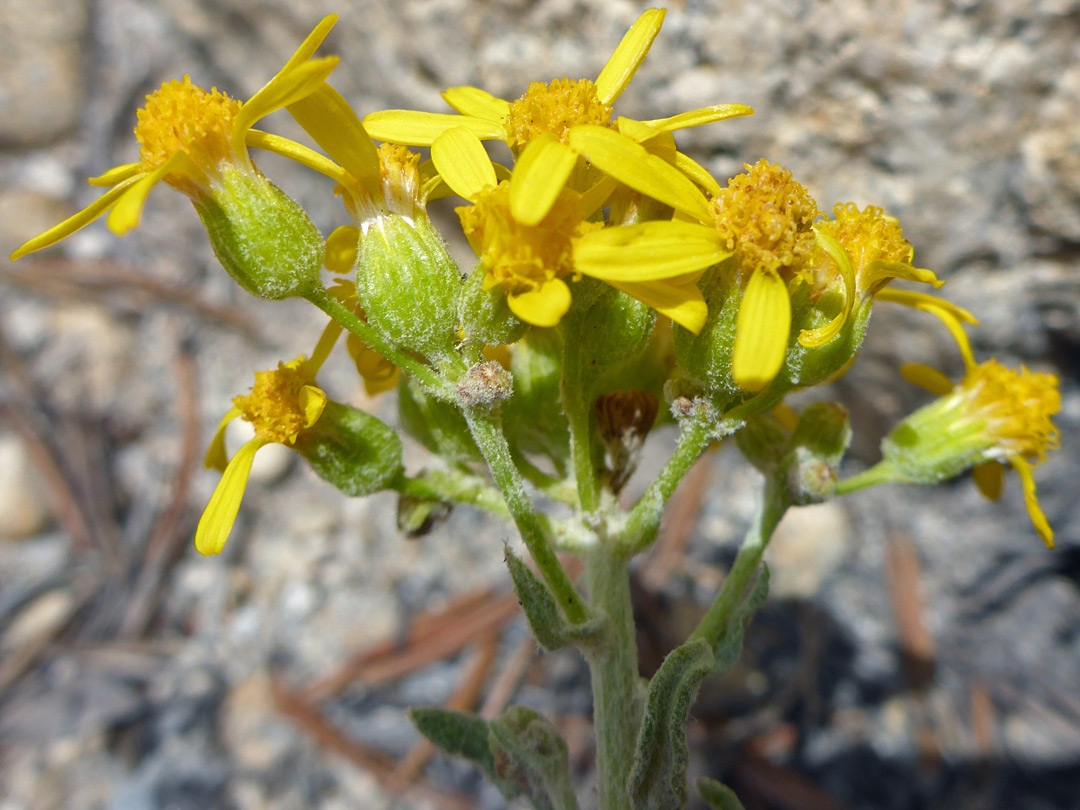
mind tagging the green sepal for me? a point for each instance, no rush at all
(705, 358)
(615, 329)
(485, 316)
(462, 735)
(718, 796)
(351, 449)
(729, 646)
(545, 618)
(935, 443)
(262, 238)
(408, 285)
(658, 774)
(437, 425)
(532, 758)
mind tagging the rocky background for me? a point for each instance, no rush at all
(920, 650)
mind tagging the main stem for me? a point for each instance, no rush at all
(578, 416)
(613, 668)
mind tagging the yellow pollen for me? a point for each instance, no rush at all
(274, 405)
(554, 108)
(1016, 407)
(519, 257)
(179, 116)
(868, 236)
(400, 174)
(766, 218)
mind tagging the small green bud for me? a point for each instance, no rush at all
(261, 236)
(485, 315)
(763, 442)
(351, 449)
(407, 283)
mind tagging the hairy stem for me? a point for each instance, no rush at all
(422, 373)
(487, 432)
(613, 667)
(578, 414)
(714, 623)
(453, 487)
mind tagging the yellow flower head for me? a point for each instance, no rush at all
(527, 261)
(552, 109)
(539, 127)
(992, 417)
(1015, 409)
(401, 188)
(765, 219)
(284, 402)
(189, 136)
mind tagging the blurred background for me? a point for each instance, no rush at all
(921, 648)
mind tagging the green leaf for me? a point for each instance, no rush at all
(658, 775)
(459, 734)
(548, 624)
(718, 796)
(729, 645)
(353, 450)
(531, 757)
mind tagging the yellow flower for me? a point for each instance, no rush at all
(539, 126)
(763, 220)
(864, 251)
(189, 138)
(284, 403)
(530, 262)
(1002, 414)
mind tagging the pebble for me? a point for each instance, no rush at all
(24, 510)
(807, 547)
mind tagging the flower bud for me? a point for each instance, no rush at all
(261, 236)
(408, 284)
(351, 449)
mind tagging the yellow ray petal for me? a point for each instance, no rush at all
(327, 117)
(327, 340)
(216, 457)
(1023, 469)
(812, 338)
(127, 212)
(284, 89)
(630, 163)
(989, 478)
(312, 402)
(477, 103)
(597, 195)
(926, 302)
(310, 44)
(421, 128)
(463, 162)
(881, 270)
(697, 173)
(543, 306)
(76, 221)
(679, 299)
(342, 247)
(117, 174)
(761, 331)
(948, 314)
(539, 176)
(628, 55)
(695, 118)
(298, 153)
(927, 377)
(220, 514)
(636, 130)
(647, 251)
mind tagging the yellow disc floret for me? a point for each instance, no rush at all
(1016, 407)
(182, 117)
(765, 217)
(553, 109)
(284, 402)
(522, 257)
(868, 236)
